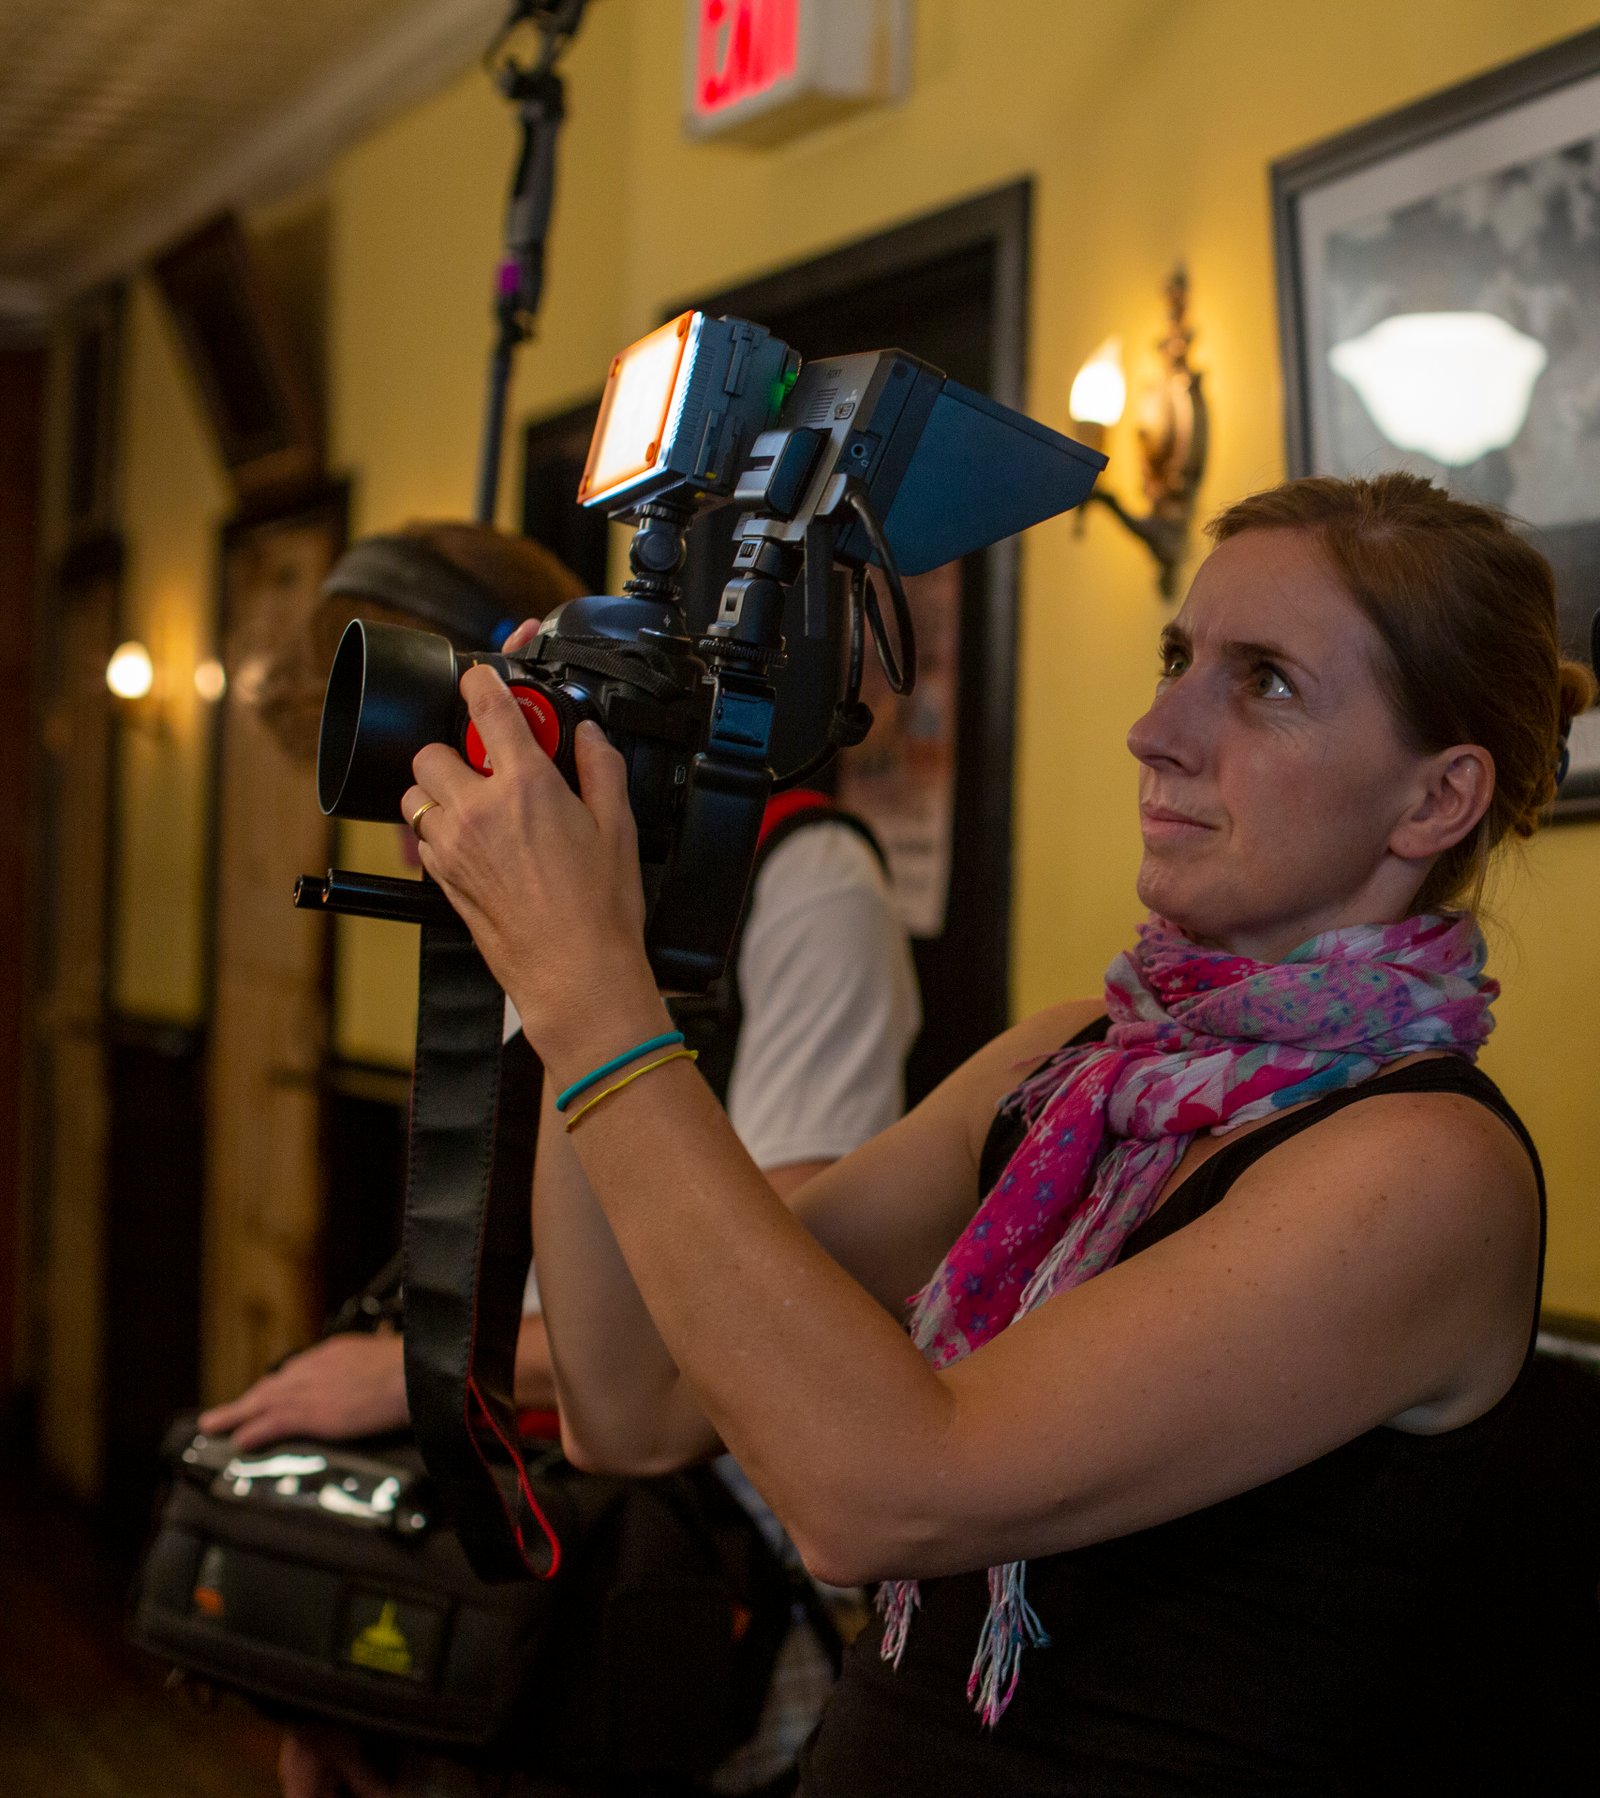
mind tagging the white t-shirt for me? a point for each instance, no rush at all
(830, 1002)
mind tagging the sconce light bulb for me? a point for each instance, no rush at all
(210, 680)
(1100, 389)
(130, 673)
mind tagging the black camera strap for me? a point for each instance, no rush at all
(467, 1247)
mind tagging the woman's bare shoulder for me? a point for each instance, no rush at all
(978, 1085)
(1040, 1034)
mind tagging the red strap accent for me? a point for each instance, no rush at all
(786, 805)
(485, 1418)
(543, 1426)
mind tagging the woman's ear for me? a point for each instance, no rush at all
(1459, 786)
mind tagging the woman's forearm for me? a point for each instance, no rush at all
(811, 1384)
(624, 1405)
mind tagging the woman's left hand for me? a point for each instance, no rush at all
(546, 879)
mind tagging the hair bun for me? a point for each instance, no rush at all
(1576, 694)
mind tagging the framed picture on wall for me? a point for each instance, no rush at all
(1439, 304)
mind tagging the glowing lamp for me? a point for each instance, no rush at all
(1173, 432)
(130, 673)
(1100, 389)
(1450, 385)
(210, 680)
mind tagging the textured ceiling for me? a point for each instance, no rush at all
(123, 122)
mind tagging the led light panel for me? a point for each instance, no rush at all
(633, 433)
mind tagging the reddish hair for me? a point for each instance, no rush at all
(1466, 613)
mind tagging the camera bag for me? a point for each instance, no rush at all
(317, 1580)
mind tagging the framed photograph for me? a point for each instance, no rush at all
(1439, 304)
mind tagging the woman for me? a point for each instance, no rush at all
(1202, 1393)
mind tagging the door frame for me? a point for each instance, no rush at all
(998, 221)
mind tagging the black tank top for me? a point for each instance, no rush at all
(1307, 1636)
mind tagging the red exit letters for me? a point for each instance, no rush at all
(743, 48)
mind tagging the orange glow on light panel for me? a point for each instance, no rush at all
(634, 409)
(743, 47)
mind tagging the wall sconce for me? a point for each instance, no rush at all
(130, 674)
(1173, 430)
(137, 684)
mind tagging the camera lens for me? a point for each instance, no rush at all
(390, 690)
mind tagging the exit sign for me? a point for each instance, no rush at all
(762, 70)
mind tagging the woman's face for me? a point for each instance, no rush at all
(1273, 779)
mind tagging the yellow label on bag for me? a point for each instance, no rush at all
(382, 1645)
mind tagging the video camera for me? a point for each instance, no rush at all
(865, 461)
(851, 462)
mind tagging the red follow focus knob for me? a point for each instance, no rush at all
(544, 721)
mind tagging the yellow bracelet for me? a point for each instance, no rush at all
(628, 1080)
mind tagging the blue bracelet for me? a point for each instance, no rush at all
(670, 1040)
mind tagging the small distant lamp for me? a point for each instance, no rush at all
(130, 674)
(1450, 385)
(1173, 430)
(210, 680)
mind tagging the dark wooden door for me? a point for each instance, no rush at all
(948, 289)
(73, 1101)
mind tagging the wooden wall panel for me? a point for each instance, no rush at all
(269, 1001)
(22, 374)
(75, 792)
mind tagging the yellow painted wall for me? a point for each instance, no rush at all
(1147, 129)
(173, 498)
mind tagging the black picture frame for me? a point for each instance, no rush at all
(1493, 135)
(554, 450)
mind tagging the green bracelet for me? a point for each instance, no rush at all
(579, 1087)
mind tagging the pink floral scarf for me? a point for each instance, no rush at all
(1200, 1040)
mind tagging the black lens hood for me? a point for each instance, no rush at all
(390, 690)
